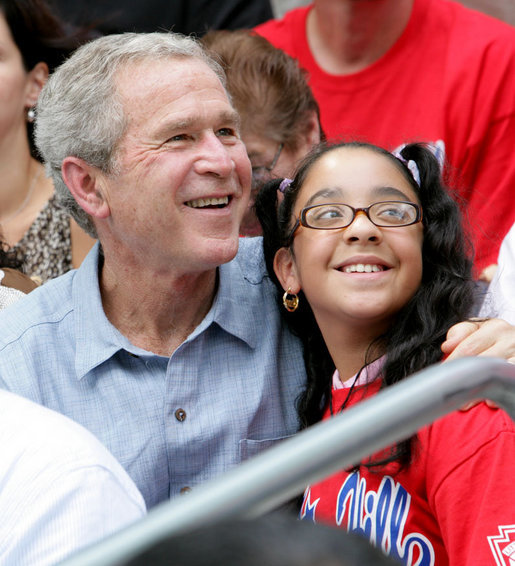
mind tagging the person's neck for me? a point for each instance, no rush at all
(24, 190)
(350, 347)
(17, 169)
(346, 36)
(155, 310)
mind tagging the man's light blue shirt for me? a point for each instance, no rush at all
(225, 394)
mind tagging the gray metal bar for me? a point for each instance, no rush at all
(274, 477)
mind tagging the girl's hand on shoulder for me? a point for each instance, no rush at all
(492, 337)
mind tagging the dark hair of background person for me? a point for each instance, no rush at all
(273, 540)
(41, 36)
(268, 88)
(445, 296)
(181, 16)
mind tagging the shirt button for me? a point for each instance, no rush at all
(180, 415)
(184, 490)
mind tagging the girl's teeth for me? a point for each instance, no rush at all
(362, 268)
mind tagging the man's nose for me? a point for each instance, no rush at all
(215, 156)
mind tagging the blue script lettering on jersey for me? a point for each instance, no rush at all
(381, 517)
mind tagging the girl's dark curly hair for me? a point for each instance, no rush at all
(445, 296)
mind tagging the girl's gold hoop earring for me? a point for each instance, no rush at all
(290, 300)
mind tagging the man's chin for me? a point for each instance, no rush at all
(223, 250)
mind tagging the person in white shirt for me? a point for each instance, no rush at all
(500, 298)
(60, 489)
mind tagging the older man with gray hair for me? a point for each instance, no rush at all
(167, 342)
(163, 344)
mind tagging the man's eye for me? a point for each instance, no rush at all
(178, 137)
(226, 132)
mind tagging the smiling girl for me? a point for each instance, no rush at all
(369, 251)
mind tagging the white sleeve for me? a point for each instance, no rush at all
(500, 298)
(51, 520)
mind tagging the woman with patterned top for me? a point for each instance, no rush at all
(38, 232)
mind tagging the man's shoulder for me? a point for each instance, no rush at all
(55, 462)
(477, 52)
(25, 422)
(281, 32)
(475, 28)
(46, 305)
(465, 433)
(289, 18)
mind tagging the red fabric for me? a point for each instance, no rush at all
(454, 505)
(450, 77)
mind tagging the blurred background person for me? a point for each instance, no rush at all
(397, 71)
(500, 296)
(279, 115)
(38, 232)
(60, 489)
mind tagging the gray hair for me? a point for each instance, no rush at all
(79, 112)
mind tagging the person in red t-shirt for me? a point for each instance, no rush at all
(399, 71)
(369, 249)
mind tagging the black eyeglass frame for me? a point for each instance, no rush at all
(268, 168)
(301, 219)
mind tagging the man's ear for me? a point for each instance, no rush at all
(86, 185)
(285, 270)
(37, 78)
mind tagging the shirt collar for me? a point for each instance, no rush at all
(98, 340)
(239, 291)
(367, 375)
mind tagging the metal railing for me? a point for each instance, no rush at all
(282, 472)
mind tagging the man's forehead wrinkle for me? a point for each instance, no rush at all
(128, 76)
(181, 108)
(183, 123)
(229, 117)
